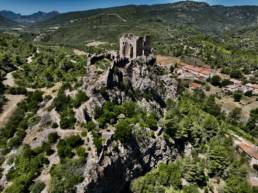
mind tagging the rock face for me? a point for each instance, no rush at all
(119, 164)
(140, 80)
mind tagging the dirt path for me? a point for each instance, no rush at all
(9, 80)
(10, 107)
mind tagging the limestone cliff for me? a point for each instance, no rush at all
(140, 80)
(119, 163)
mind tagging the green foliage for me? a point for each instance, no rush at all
(220, 155)
(50, 65)
(97, 140)
(81, 152)
(66, 146)
(53, 137)
(194, 172)
(28, 167)
(186, 122)
(237, 184)
(237, 96)
(17, 91)
(63, 104)
(235, 115)
(67, 119)
(211, 107)
(20, 120)
(13, 53)
(215, 80)
(37, 187)
(251, 126)
(123, 131)
(80, 98)
(158, 179)
(65, 176)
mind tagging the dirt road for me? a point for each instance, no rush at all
(10, 107)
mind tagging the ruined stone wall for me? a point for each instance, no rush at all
(132, 46)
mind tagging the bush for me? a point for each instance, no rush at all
(80, 98)
(249, 93)
(65, 176)
(123, 131)
(67, 119)
(17, 91)
(64, 150)
(91, 126)
(237, 96)
(97, 141)
(215, 80)
(55, 125)
(65, 147)
(74, 141)
(37, 187)
(81, 152)
(53, 137)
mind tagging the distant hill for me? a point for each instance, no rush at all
(159, 20)
(28, 19)
(6, 23)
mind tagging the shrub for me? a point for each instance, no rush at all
(55, 125)
(17, 91)
(123, 131)
(53, 137)
(74, 141)
(237, 96)
(65, 176)
(80, 98)
(215, 80)
(97, 140)
(64, 150)
(91, 126)
(37, 187)
(81, 152)
(67, 119)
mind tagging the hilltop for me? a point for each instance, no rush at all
(28, 19)
(159, 20)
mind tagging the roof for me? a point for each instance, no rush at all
(195, 85)
(202, 70)
(235, 81)
(254, 86)
(251, 150)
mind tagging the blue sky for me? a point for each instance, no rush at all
(30, 6)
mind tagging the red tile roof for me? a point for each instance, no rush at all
(251, 150)
(202, 70)
(195, 85)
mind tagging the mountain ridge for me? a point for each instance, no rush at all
(28, 19)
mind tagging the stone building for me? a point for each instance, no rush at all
(132, 46)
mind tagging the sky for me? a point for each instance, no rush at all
(31, 6)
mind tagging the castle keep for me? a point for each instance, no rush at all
(132, 46)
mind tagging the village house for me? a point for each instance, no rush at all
(251, 151)
(195, 72)
(252, 87)
(195, 86)
(238, 86)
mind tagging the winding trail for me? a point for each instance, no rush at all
(12, 100)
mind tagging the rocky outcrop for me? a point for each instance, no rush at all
(121, 163)
(140, 80)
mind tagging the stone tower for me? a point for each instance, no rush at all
(132, 46)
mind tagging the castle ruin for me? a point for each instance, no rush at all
(132, 46)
